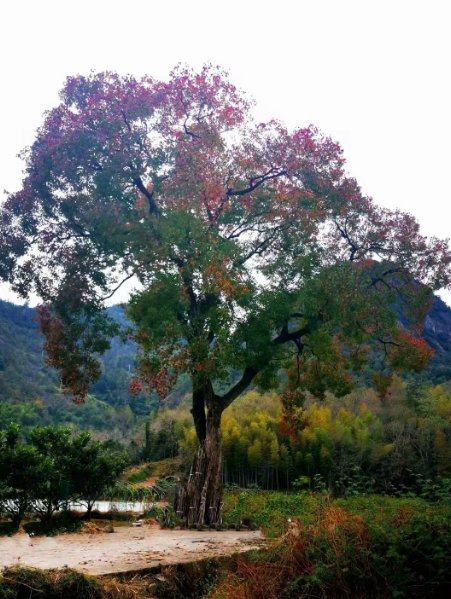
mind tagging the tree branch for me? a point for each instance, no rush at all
(385, 343)
(124, 116)
(153, 208)
(345, 235)
(127, 278)
(188, 132)
(262, 245)
(250, 372)
(285, 336)
(254, 183)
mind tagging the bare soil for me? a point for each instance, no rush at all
(127, 549)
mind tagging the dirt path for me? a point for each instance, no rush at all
(124, 550)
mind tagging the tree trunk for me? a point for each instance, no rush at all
(199, 501)
(89, 506)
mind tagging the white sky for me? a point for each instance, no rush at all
(375, 75)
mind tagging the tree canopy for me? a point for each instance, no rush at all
(54, 468)
(250, 242)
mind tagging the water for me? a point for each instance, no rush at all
(116, 506)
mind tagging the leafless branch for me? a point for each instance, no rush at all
(127, 278)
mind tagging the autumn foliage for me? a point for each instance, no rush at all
(229, 225)
(250, 247)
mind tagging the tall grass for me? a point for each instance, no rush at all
(364, 547)
(31, 583)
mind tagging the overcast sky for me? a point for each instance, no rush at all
(375, 75)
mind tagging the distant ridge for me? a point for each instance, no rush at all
(24, 377)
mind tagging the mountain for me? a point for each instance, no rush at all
(30, 391)
(437, 332)
(23, 373)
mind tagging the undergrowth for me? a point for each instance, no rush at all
(140, 474)
(31, 583)
(362, 547)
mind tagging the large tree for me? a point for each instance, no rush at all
(253, 249)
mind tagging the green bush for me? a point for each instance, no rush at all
(358, 547)
(138, 476)
(269, 510)
(30, 583)
(55, 467)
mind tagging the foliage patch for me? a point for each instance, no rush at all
(358, 547)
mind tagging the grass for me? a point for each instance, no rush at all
(360, 547)
(31, 583)
(268, 510)
(70, 521)
(28, 583)
(364, 547)
(139, 474)
(61, 522)
(155, 470)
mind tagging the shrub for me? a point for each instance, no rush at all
(363, 547)
(30, 583)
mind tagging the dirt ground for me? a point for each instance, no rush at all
(126, 549)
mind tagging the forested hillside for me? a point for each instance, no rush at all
(30, 391)
(437, 332)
